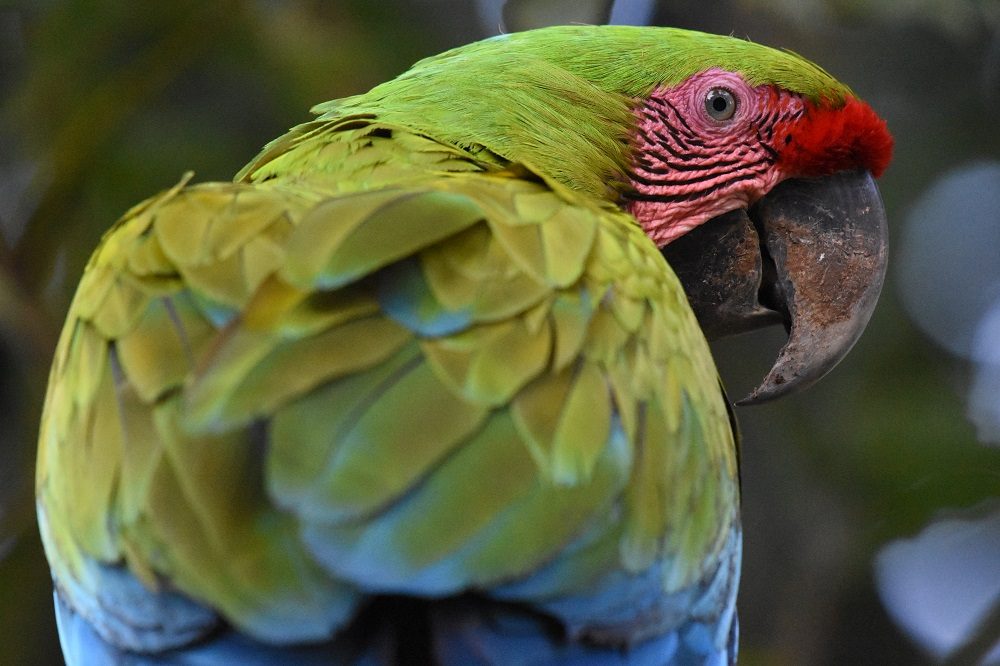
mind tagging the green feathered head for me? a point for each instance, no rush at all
(568, 102)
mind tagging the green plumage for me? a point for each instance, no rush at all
(200, 366)
(559, 99)
(416, 336)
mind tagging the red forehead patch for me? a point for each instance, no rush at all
(827, 139)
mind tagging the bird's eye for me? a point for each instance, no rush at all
(720, 104)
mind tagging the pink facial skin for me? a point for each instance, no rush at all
(690, 167)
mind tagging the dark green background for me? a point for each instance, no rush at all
(104, 103)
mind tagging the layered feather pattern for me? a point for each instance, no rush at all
(280, 399)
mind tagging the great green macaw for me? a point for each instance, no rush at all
(419, 386)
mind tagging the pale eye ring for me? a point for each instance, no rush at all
(720, 104)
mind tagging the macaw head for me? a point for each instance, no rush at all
(751, 168)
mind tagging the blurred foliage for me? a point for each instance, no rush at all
(104, 103)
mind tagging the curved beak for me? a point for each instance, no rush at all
(811, 254)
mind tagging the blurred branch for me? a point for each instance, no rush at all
(991, 62)
(528, 14)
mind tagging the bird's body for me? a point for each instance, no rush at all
(413, 387)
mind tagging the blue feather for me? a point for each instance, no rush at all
(405, 296)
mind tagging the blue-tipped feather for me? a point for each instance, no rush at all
(83, 646)
(405, 296)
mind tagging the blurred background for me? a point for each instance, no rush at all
(871, 502)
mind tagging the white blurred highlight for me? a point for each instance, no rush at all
(941, 583)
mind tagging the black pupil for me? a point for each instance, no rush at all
(719, 103)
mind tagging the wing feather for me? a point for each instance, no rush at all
(277, 399)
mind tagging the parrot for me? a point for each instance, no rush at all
(429, 381)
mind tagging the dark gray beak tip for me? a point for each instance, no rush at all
(828, 240)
